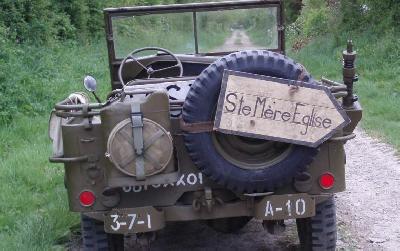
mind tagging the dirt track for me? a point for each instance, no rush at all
(239, 40)
(369, 210)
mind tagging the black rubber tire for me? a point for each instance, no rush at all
(94, 238)
(200, 106)
(228, 225)
(319, 232)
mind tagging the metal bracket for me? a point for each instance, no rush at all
(85, 112)
(208, 198)
(343, 138)
(62, 159)
(197, 127)
(207, 201)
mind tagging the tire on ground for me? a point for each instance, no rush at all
(94, 237)
(200, 105)
(319, 232)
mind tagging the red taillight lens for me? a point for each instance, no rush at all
(327, 180)
(87, 198)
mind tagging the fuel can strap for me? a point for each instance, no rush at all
(137, 132)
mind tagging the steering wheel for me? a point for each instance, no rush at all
(149, 70)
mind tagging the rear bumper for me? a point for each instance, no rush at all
(147, 219)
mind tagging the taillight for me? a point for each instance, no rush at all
(87, 198)
(326, 181)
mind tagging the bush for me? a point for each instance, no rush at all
(316, 22)
(370, 14)
(38, 41)
(316, 19)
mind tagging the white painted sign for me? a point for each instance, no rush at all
(277, 109)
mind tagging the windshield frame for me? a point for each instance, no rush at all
(110, 13)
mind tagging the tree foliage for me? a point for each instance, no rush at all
(43, 21)
(371, 14)
(319, 17)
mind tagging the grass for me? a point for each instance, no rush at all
(171, 31)
(33, 209)
(32, 78)
(212, 41)
(263, 38)
(379, 70)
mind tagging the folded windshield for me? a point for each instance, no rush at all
(198, 32)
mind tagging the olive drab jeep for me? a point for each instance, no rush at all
(207, 119)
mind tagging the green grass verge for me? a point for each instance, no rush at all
(379, 70)
(33, 208)
(33, 78)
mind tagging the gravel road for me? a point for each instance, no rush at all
(368, 212)
(239, 40)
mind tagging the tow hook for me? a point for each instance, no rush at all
(206, 200)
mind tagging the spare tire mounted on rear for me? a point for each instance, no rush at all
(239, 163)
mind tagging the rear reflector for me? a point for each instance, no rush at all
(87, 198)
(326, 181)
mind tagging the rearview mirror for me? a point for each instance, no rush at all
(90, 83)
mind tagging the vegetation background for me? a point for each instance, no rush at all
(47, 46)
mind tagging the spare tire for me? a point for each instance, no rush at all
(238, 163)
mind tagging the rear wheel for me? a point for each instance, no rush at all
(94, 237)
(319, 232)
(228, 225)
(241, 164)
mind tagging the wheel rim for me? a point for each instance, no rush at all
(250, 153)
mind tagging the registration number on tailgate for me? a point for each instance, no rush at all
(133, 220)
(289, 206)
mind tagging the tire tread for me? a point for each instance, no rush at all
(319, 233)
(94, 238)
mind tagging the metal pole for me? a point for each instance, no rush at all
(349, 74)
(196, 39)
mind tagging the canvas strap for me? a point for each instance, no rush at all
(137, 132)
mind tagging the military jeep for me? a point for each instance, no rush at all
(154, 151)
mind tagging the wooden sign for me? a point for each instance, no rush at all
(277, 109)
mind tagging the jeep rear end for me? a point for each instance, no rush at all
(133, 163)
